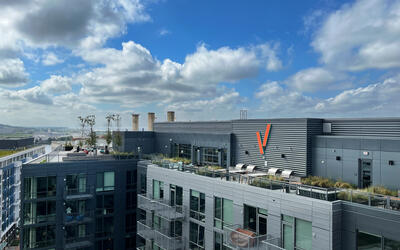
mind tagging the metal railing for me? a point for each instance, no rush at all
(160, 207)
(78, 241)
(236, 237)
(161, 236)
(328, 194)
(86, 191)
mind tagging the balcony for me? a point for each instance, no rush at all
(271, 243)
(235, 237)
(81, 193)
(145, 231)
(78, 242)
(160, 208)
(78, 218)
(161, 236)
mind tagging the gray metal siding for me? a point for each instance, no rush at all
(287, 136)
(385, 127)
(194, 127)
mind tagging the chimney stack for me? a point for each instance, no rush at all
(170, 116)
(150, 122)
(135, 122)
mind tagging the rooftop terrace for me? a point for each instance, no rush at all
(251, 176)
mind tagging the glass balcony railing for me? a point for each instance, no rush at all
(79, 193)
(39, 244)
(79, 218)
(271, 243)
(79, 242)
(161, 236)
(236, 237)
(28, 220)
(144, 230)
(161, 207)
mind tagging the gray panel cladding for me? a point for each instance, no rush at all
(288, 137)
(194, 127)
(385, 127)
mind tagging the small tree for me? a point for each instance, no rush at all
(91, 121)
(117, 134)
(109, 118)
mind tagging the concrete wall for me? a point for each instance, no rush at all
(350, 150)
(325, 227)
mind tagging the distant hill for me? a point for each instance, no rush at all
(15, 131)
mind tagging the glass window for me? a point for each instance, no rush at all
(210, 156)
(105, 204)
(197, 205)
(366, 241)
(250, 218)
(391, 244)
(196, 236)
(158, 190)
(303, 234)
(143, 183)
(287, 232)
(76, 183)
(105, 181)
(131, 200)
(223, 212)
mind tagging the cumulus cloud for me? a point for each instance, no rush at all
(311, 80)
(56, 84)
(365, 35)
(32, 95)
(69, 23)
(132, 76)
(378, 99)
(12, 73)
(269, 52)
(51, 59)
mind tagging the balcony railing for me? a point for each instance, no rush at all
(236, 237)
(161, 236)
(145, 231)
(160, 208)
(39, 244)
(78, 242)
(271, 243)
(28, 220)
(85, 192)
(79, 218)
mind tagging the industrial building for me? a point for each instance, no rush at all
(79, 203)
(240, 185)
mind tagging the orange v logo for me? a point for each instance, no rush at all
(264, 142)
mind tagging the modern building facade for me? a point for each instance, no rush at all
(14, 143)
(75, 204)
(202, 206)
(10, 172)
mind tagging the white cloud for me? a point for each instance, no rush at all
(51, 59)
(56, 84)
(311, 80)
(164, 32)
(269, 52)
(364, 35)
(12, 73)
(32, 95)
(133, 77)
(378, 99)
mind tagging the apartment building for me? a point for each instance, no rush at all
(240, 187)
(79, 204)
(10, 172)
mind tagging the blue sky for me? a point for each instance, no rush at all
(204, 59)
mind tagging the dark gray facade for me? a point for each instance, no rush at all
(16, 143)
(79, 205)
